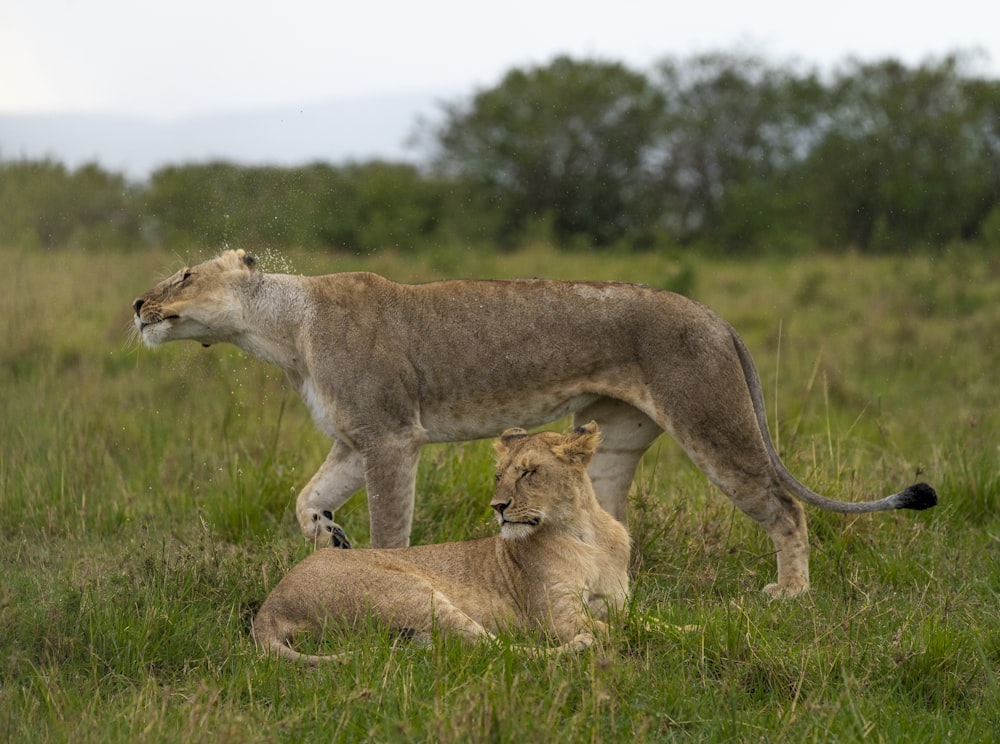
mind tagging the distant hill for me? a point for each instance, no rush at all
(340, 131)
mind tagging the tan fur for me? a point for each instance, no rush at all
(387, 367)
(557, 566)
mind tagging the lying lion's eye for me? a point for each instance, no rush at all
(526, 472)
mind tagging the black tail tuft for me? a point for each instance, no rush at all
(918, 496)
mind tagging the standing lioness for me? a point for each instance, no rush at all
(557, 566)
(387, 367)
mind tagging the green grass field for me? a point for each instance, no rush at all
(146, 506)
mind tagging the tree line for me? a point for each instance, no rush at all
(725, 152)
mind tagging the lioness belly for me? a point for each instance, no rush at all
(458, 420)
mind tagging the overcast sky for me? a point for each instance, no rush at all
(172, 60)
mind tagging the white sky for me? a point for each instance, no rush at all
(173, 59)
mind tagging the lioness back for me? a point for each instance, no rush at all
(516, 334)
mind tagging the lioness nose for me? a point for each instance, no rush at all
(500, 506)
(137, 305)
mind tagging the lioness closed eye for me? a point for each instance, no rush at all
(387, 367)
(559, 562)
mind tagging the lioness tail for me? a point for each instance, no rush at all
(918, 496)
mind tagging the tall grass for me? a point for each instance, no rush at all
(146, 507)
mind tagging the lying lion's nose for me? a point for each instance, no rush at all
(500, 506)
(137, 305)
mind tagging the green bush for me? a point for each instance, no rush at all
(45, 205)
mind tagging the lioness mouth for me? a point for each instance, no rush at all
(143, 324)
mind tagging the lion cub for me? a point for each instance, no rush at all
(559, 562)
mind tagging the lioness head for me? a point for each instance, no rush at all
(541, 479)
(198, 302)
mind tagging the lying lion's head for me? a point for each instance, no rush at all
(541, 479)
(200, 302)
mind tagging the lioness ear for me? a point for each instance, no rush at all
(245, 258)
(502, 445)
(579, 445)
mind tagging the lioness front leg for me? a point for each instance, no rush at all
(340, 477)
(578, 643)
(575, 626)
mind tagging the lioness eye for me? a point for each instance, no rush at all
(526, 473)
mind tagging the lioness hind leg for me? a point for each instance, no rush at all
(413, 605)
(746, 477)
(626, 434)
(718, 429)
(784, 520)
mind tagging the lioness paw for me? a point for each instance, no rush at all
(580, 642)
(780, 591)
(338, 538)
(321, 523)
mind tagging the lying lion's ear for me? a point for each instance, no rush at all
(510, 435)
(502, 445)
(579, 445)
(249, 261)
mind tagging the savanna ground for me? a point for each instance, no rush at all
(146, 506)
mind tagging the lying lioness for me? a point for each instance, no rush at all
(559, 563)
(387, 367)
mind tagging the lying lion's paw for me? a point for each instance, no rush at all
(654, 624)
(580, 642)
